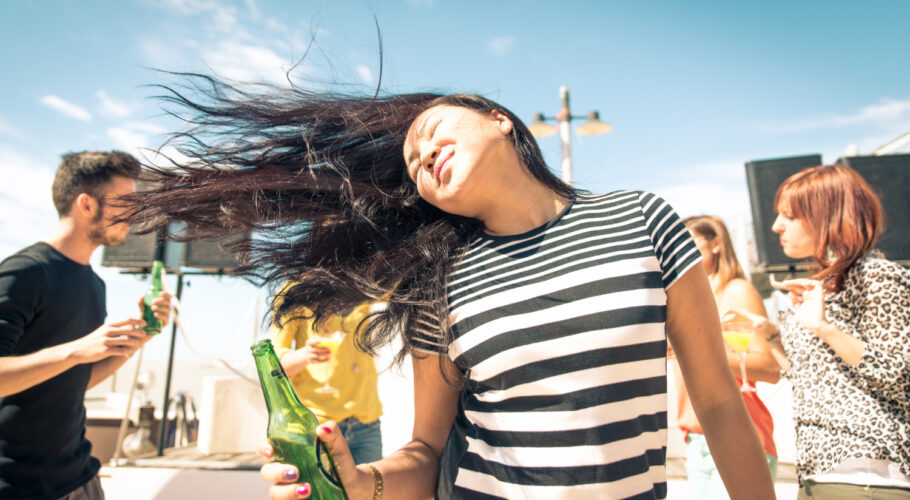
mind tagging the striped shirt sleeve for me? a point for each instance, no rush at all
(672, 242)
(426, 333)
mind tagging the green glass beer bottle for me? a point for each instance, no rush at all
(152, 323)
(292, 428)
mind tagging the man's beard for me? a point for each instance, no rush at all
(99, 232)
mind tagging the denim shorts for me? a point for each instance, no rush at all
(364, 440)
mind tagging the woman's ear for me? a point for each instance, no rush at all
(505, 124)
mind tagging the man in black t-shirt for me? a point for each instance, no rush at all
(54, 344)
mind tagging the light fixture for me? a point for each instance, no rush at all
(540, 128)
(594, 126)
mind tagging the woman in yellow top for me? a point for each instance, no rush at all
(355, 405)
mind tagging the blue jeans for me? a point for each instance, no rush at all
(364, 440)
(704, 480)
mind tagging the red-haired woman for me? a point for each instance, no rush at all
(846, 339)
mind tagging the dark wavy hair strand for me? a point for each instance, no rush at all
(320, 178)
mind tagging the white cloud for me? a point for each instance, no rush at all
(111, 106)
(887, 110)
(66, 108)
(697, 198)
(134, 137)
(253, 9)
(365, 74)
(502, 45)
(26, 211)
(9, 130)
(246, 63)
(275, 25)
(224, 20)
(185, 7)
(724, 193)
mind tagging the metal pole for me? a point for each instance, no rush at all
(565, 134)
(170, 367)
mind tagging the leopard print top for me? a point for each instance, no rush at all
(861, 411)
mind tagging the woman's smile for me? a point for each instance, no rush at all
(440, 163)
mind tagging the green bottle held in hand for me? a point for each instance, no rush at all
(292, 428)
(152, 323)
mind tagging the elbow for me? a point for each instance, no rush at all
(772, 376)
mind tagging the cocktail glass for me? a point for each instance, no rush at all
(331, 341)
(738, 333)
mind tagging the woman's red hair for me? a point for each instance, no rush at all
(841, 209)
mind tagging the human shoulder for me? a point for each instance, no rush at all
(874, 270)
(29, 263)
(24, 285)
(620, 200)
(740, 287)
(740, 293)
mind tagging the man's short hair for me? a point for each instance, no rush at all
(89, 172)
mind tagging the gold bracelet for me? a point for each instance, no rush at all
(377, 482)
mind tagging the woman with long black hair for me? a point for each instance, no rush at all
(536, 316)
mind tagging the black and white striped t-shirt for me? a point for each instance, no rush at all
(561, 331)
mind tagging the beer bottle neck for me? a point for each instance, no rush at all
(155, 281)
(276, 387)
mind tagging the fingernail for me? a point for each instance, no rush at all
(303, 490)
(290, 474)
(267, 452)
(326, 429)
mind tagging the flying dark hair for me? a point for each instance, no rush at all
(321, 179)
(89, 172)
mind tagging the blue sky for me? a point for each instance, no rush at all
(693, 89)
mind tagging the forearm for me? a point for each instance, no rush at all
(736, 449)
(105, 368)
(848, 347)
(760, 367)
(409, 473)
(293, 362)
(18, 373)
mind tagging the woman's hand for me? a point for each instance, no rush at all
(808, 298)
(297, 360)
(358, 483)
(314, 351)
(762, 325)
(765, 331)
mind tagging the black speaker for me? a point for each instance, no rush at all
(763, 178)
(137, 252)
(889, 176)
(210, 255)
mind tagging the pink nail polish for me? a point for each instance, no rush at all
(303, 490)
(326, 429)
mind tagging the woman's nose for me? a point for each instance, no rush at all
(429, 158)
(778, 226)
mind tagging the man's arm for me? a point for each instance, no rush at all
(18, 373)
(106, 367)
(103, 369)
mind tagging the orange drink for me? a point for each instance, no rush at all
(738, 339)
(331, 342)
(738, 334)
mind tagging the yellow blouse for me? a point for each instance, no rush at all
(351, 371)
